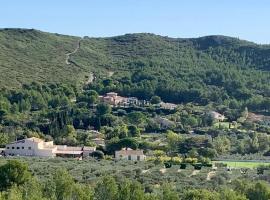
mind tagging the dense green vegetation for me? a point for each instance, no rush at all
(86, 180)
(31, 55)
(214, 68)
(49, 112)
(46, 96)
(207, 69)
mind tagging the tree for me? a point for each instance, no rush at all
(82, 192)
(103, 109)
(168, 193)
(71, 132)
(122, 131)
(259, 191)
(193, 143)
(129, 142)
(137, 192)
(89, 96)
(130, 190)
(155, 100)
(222, 144)
(133, 131)
(24, 105)
(228, 194)
(106, 189)
(63, 184)
(173, 140)
(13, 172)
(97, 154)
(31, 190)
(3, 113)
(253, 143)
(115, 144)
(136, 118)
(190, 121)
(200, 195)
(14, 193)
(3, 139)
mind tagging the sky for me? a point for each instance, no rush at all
(245, 19)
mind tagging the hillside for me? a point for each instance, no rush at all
(178, 70)
(31, 55)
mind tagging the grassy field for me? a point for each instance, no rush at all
(244, 164)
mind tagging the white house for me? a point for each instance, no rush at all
(38, 147)
(130, 154)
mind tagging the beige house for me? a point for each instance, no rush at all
(113, 99)
(130, 154)
(38, 147)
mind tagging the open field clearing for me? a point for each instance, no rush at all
(244, 164)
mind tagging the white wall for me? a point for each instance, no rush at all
(28, 148)
(130, 157)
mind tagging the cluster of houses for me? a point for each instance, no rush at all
(39, 148)
(112, 98)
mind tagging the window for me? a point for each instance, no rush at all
(29, 148)
(138, 157)
(129, 157)
(18, 147)
(7, 147)
(12, 147)
(22, 147)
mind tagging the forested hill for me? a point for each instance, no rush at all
(211, 68)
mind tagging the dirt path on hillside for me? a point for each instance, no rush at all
(110, 73)
(90, 78)
(75, 50)
(210, 175)
(194, 172)
(163, 170)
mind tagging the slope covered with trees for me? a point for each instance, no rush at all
(212, 68)
(33, 56)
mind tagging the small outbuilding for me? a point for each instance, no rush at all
(130, 154)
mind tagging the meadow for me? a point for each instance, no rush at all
(244, 164)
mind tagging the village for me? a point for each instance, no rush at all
(36, 147)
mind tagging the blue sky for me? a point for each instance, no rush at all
(246, 19)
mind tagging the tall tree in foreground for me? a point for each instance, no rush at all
(13, 172)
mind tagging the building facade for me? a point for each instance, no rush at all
(130, 154)
(38, 147)
(114, 99)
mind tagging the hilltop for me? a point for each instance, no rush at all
(150, 64)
